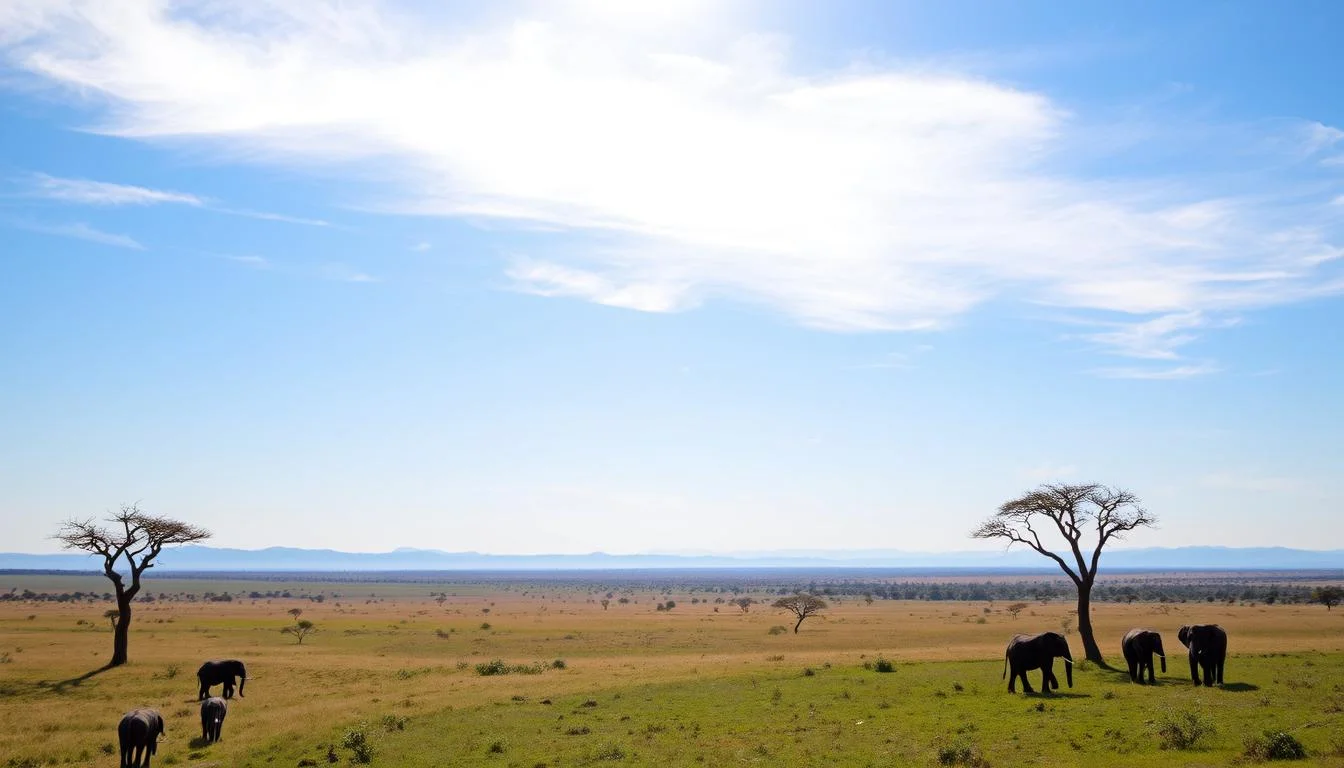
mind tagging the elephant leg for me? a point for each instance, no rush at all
(1194, 668)
(1220, 670)
(1134, 670)
(1152, 672)
(1026, 684)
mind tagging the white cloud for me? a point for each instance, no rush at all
(256, 262)
(421, 247)
(81, 231)
(1158, 338)
(1159, 374)
(346, 274)
(88, 192)
(680, 165)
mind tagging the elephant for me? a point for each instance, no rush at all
(213, 711)
(217, 672)
(1207, 644)
(1139, 645)
(1027, 652)
(139, 733)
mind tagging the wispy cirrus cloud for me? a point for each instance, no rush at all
(675, 167)
(87, 192)
(103, 193)
(80, 231)
(1170, 373)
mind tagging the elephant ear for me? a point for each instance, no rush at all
(1184, 635)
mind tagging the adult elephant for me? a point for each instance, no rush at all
(221, 673)
(1139, 646)
(213, 711)
(1027, 652)
(1207, 646)
(139, 733)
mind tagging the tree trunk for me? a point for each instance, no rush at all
(121, 632)
(799, 624)
(1090, 649)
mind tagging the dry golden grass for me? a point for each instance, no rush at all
(402, 655)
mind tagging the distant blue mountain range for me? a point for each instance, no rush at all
(198, 558)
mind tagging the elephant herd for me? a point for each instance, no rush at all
(1206, 646)
(140, 729)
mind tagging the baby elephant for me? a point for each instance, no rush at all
(213, 711)
(139, 734)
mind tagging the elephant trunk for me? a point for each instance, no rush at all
(242, 681)
(1068, 669)
(1161, 655)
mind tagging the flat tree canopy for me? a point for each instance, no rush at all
(1066, 515)
(132, 536)
(802, 606)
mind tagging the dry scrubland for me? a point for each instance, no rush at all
(689, 686)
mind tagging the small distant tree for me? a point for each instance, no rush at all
(1327, 596)
(1016, 608)
(132, 536)
(744, 603)
(112, 614)
(1071, 511)
(441, 599)
(300, 629)
(868, 598)
(605, 603)
(801, 605)
(295, 613)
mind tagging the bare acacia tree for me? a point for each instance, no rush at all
(132, 536)
(1073, 512)
(802, 606)
(744, 603)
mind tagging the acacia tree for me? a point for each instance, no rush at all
(802, 606)
(1328, 596)
(135, 537)
(1074, 512)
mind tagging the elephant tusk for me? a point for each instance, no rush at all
(1068, 661)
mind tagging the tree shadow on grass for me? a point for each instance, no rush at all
(198, 742)
(73, 682)
(1240, 687)
(1057, 695)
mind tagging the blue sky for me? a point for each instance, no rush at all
(577, 276)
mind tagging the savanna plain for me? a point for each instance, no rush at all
(534, 673)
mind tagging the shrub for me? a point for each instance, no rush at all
(778, 629)
(357, 741)
(883, 665)
(610, 752)
(496, 748)
(1274, 745)
(1183, 730)
(579, 730)
(961, 753)
(558, 664)
(496, 667)
(485, 625)
(394, 723)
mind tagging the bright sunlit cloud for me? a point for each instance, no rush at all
(679, 168)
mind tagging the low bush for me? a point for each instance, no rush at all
(1183, 730)
(962, 753)
(883, 665)
(1274, 745)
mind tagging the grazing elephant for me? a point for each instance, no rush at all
(1026, 652)
(213, 711)
(139, 733)
(221, 672)
(1139, 645)
(1207, 644)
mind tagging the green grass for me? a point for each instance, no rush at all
(850, 716)
(398, 680)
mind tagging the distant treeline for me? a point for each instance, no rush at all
(1245, 588)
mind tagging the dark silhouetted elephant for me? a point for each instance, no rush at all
(221, 673)
(1027, 652)
(139, 733)
(1207, 645)
(1139, 645)
(213, 711)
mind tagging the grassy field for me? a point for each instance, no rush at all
(689, 686)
